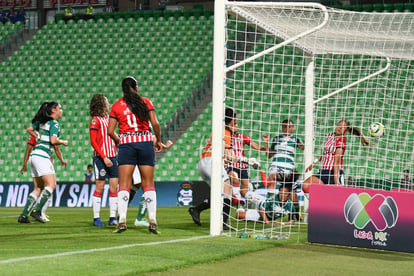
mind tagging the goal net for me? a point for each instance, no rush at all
(315, 66)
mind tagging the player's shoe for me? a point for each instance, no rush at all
(141, 223)
(23, 219)
(153, 228)
(195, 214)
(45, 217)
(121, 227)
(37, 215)
(112, 221)
(228, 227)
(98, 222)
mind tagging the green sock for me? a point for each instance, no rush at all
(44, 196)
(30, 203)
(142, 209)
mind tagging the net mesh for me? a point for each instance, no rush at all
(266, 87)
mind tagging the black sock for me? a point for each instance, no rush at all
(203, 206)
(226, 209)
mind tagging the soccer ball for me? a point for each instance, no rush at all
(376, 130)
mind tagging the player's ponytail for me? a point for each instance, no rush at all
(43, 114)
(134, 101)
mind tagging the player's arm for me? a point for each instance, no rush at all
(29, 148)
(59, 155)
(311, 166)
(56, 141)
(339, 152)
(263, 216)
(32, 131)
(93, 134)
(157, 130)
(111, 130)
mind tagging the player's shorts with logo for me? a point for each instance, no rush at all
(101, 171)
(41, 166)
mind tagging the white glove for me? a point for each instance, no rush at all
(251, 161)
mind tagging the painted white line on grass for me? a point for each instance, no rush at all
(86, 251)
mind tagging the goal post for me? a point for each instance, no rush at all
(315, 66)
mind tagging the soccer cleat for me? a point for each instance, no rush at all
(37, 215)
(141, 223)
(98, 222)
(23, 219)
(121, 227)
(195, 214)
(45, 217)
(153, 228)
(112, 221)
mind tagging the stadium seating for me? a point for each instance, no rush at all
(70, 62)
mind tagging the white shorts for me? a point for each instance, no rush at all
(252, 215)
(41, 166)
(136, 176)
(204, 167)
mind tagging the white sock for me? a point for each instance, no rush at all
(123, 198)
(96, 206)
(151, 203)
(113, 206)
(236, 191)
(47, 204)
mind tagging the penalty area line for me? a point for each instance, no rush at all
(86, 251)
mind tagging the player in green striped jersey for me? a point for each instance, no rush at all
(282, 169)
(47, 130)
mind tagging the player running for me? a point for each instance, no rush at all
(133, 113)
(105, 161)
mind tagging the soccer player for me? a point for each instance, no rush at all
(133, 114)
(332, 170)
(269, 210)
(238, 171)
(34, 195)
(105, 161)
(204, 167)
(46, 127)
(136, 185)
(282, 152)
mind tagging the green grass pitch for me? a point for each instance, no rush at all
(70, 245)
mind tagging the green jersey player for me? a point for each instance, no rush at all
(282, 154)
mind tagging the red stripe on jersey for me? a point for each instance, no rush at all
(238, 142)
(331, 144)
(104, 142)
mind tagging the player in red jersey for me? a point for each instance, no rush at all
(239, 171)
(105, 161)
(133, 114)
(332, 170)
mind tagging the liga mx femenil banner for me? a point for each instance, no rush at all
(364, 218)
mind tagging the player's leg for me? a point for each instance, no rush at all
(226, 202)
(31, 202)
(235, 183)
(125, 179)
(113, 200)
(97, 202)
(50, 185)
(204, 167)
(150, 196)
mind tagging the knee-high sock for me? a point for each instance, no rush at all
(204, 205)
(226, 208)
(113, 204)
(44, 196)
(30, 203)
(96, 204)
(47, 204)
(150, 198)
(142, 209)
(123, 199)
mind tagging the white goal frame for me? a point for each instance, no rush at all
(219, 87)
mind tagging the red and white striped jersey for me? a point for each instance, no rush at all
(102, 144)
(238, 141)
(331, 144)
(131, 129)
